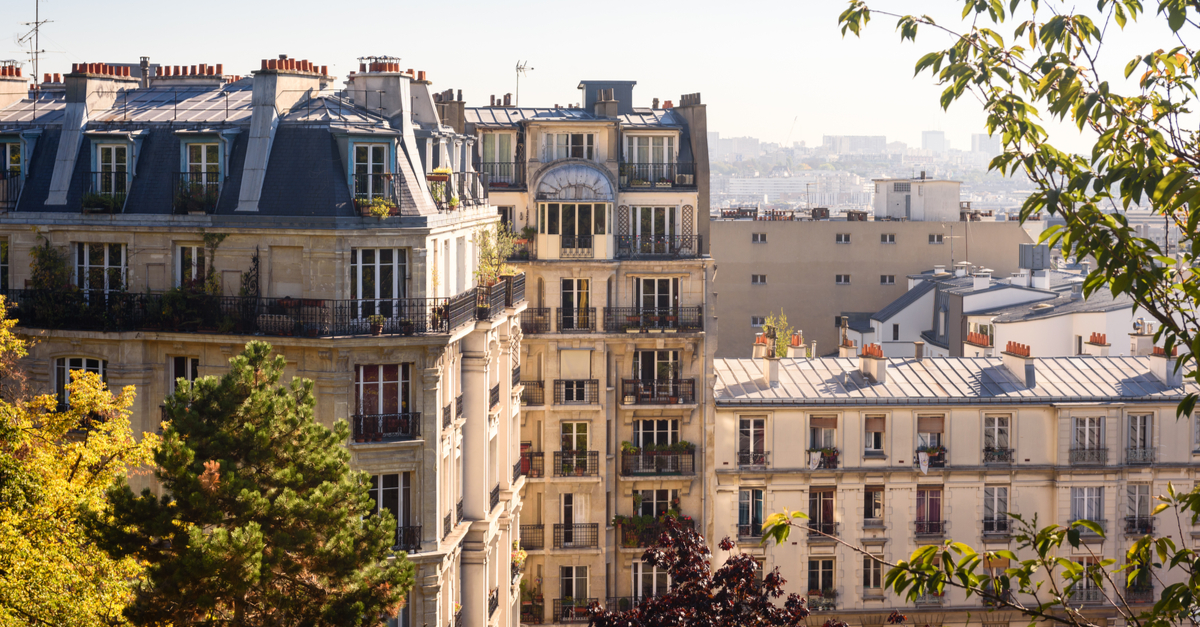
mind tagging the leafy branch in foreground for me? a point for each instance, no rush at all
(1146, 153)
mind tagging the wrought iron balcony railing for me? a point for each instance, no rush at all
(10, 189)
(998, 526)
(494, 498)
(494, 396)
(661, 246)
(753, 459)
(1089, 456)
(576, 320)
(676, 174)
(408, 538)
(1139, 456)
(386, 427)
(576, 391)
(643, 537)
(107, 192)
(653, 320)
(658, 392)
(818, 527)
(533, 394)
(570, 610)
(196, 192)
(997, 455)
(376, 193)
(533, 537)
(535, 320)
(575, 247)
(577, 463)
(1139, 525)
(825, 601)
(930, 527)
(504, 174)
(577, 535)
(650, 463)
(493, 601)
(936, 460)
(533, 464)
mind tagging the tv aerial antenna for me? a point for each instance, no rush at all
(32, 38)
(521, 70)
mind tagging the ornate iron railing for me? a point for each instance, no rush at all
(533, 464)
(386, 427)
(535, 320)
(1089, 456)
(576, 463)
(658, 463)
(408, 538)
(758, 458)
(651, 320)
(577, 320)
(576, 391)
(575, 247)
(675, 246)
(675, 174)
(635, 537)
(10, 189)
(533, 537)
(997, 456)
(658, 392)
(572, 610)
(534, 393)
(1139, 456)
(494, 498)
(1139, 525)
(930, 527)
(195, 192)
(576, 535)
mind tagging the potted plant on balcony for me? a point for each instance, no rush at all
(408, 327)
(453, 203)
(663, 182)
(376, 321)
(94, 202)
(381, 208)
(629, 449)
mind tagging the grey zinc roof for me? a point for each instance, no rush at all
(902, 303)
(942, 381)
(201, 104)
(512, 116)
(1097, 303)
(651, 117)
(46, 109)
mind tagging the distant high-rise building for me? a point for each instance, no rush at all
(933, 140)
(987, 144)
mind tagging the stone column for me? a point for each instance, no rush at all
(475, 389)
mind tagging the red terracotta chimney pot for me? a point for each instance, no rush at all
(221, 69)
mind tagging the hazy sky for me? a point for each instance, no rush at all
(761, 67)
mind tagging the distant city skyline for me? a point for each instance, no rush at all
(781, 73)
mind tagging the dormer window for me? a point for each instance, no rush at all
(497, 158)
(109, 181)
(372, 177)
(10, 175)
(10, 156)
(568, 146)
(199, 184)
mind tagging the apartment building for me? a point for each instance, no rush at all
(903, 452)
(816, 270)
(611, 204)
(193, 210)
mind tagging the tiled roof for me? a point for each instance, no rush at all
(942, 380)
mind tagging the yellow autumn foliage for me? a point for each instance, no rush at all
(53, 467)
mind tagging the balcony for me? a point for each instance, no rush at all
(635, 536)
(458, 511)
(408, 538)
(674, 175)
(106, 192)
(576, 391)
(533, 612)
(10, 189)
(818, 527)
(494, 498)
(751, 530)
(516, 375)
(659, 247)
(494, 397)
(936, 459)
(576, 463)
(570, 610)
(535, 320)
(518, 470)
(533, 464)
(458, 406)
(747, 459)
(447, 524)
(1139, 525)
(1084, 456)
(648, 320)
(386, 427)
(459, 621)
(997, 455)
(1139, 456)
(658, 392)
(581, 320)
(824, 600)
(533, 394)
(999, 526)
(516, 290)
(493, 601)
(828, 459)
(575, 247)
(453, 190)
(447, 417)
(375, 195)
(533, 537)
(1140, 594)
(930, 527)
(195, 192)
(929, 599)
(577, 536)
(504, 174)
(195, 311)
(1087, 595)
(656, 463)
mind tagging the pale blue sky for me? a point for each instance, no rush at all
(759, 65)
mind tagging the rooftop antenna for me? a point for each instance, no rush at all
(521, 69)
(32, 38)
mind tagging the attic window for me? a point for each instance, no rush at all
(568, 146)
(10, 157)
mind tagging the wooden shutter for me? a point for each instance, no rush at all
(875, 423)
(823, 422)
(930, 424)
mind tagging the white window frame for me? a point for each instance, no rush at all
(936, 238)
(750, 511)
(656, 501)
(663, 153)
(184, 367)
(841, 279)
(1139, 500)
(373, 165)
(997, 431)
(211, 170)
(576, 432)
(10, 155)
(403, 383)
(758, 321)
(826, 573)
(758, 238)
(887, 238)
(1087, 503)
(193, 253)
(64, 366)
(403, 494)
(106, 161)
(995, 503)
(644, 573)
(758, 279)
(746, 432)
(1087, 433)
(841, 238)
(873, 440)
(578, 575)
(1141, 432)
(557, 146)
(887, 279)
(375, 303)
(657, 430)
(84, 266)
(873, 574)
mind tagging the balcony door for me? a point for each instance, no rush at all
(657, 365)
(752, 441)
(1139, 432)
(204, 163)
(649, 580)
(655, 226)
(576, 226)
(370, 169)
(573, 512)
(383, 389)
(575, 303)
(1087, 503)
(393, 493)
(655, 432)
(378, 279)
(573, 582)
(656, 502)
(656, 294)
(1089, 433)
(1139, 500)
(820, 509)
(113, 161)
(995, 432)
(498, 157)
(929, 511)
(574, 436)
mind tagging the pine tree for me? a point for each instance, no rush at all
(263, 523)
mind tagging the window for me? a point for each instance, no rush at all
(656, 432)
(574, 436)
(575, 222)
(874, 429)
(506, 218)
(1088, 432)
(929, 510)
(656, 502)
(204, 163)
(995, 432)
(497, 158)
(112, 160)
(758, 279)
(820, 575)
(887, 238)
(653, 293)
(995, 509)
(190, 267)
(822, 432)
(185, 368)
(568, 146)
(929, 431)
(64, 367)
(655, 229)
(758, 238)
(100, 268)
(393, 493)
(842, 238)
(935, 238)
(750, 513)
(757, 321)
(1139, 500)
(1139, 432)
(841, 279)
(752, 442)
(649, 150)
(370, 171)
(10, 153)
(872, 574)
(873, 505)
(895, 332)
(4, 265)
(378, 278)
(901, 187)
(404, 618)
(820, 511)
(574, 582)
(887, 279)
(649, 580)
(382, 389)
(1087, 503)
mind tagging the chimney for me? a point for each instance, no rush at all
(606, 105)
(872, 364)
(1077, 291)
(145, 67)
(846, 347)
(919, 350)
(508, 100)
(796, 346)
(759, 348)
(1096, 345)
(983, 280)
(1165, 366)
(1141, 341)
(939, 270)
(654, 104)
(1041, 280)
(1016, 358)
(13, 87)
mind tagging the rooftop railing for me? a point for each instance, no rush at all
(658, 246)
(657, 175)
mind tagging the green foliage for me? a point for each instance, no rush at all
(495, 245)
(783, 332)
(50, 268)
(263, 523)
